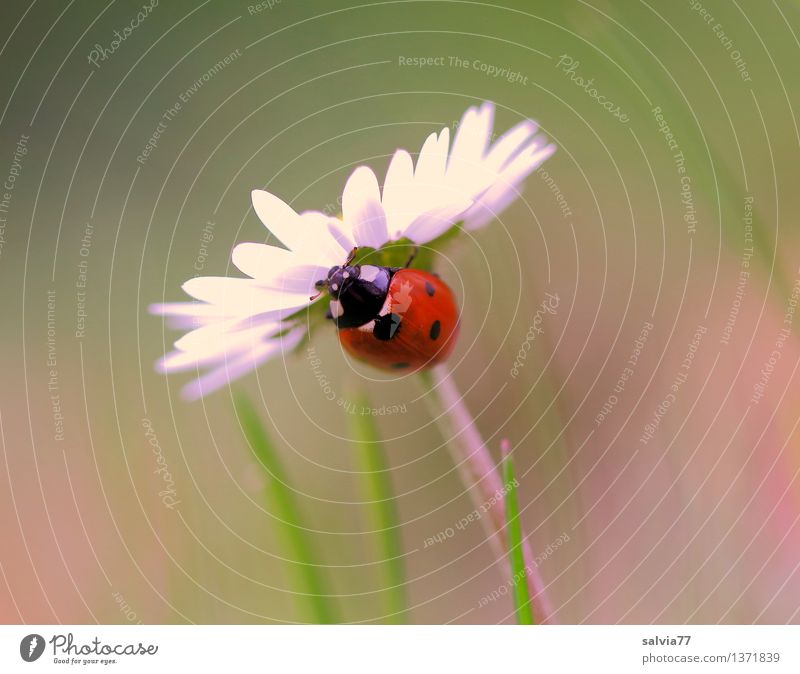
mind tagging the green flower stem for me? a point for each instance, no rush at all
(480, 476)
(519, 580)
(381, 509)
(289, 522)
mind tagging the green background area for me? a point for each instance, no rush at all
(695, 525)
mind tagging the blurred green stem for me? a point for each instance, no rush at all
(381, 508)
(281, 502)
(516, 558)
(481, 477)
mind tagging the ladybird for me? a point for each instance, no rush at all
(393, 318)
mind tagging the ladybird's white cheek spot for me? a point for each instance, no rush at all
(335, 286)
(369, 273)
(368, 327)
(336, 308)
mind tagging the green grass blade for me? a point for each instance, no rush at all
(282, 503)
(381, 508)
(519, 575)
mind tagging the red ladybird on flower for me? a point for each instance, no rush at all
(357, 270)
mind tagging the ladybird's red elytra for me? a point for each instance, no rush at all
(395, 319)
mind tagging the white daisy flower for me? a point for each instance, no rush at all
(240, 323)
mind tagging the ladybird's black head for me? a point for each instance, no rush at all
(340, 277)
(357, 293)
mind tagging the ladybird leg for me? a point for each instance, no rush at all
(320, 286)
(386, 326)
(411, 257)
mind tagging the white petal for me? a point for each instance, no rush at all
(277, 268)
(305, 233)
(398, 193)
(303, 279)
(222, 335)
(320, 245)
(260, 261)
(342, 234)
(431, 224)
(197, 310)
(180, 361)
(234, 296)
(216, 342)
(523, 164)
(490, 208)
(362, 209)
(399, 176)
(189, 322)
(506, 189)
(472, 135)
(511, 143)
(433, 158)
(278, 217)
(241, 365)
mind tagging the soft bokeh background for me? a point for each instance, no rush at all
(699, 524)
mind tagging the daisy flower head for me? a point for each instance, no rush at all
(240, 323)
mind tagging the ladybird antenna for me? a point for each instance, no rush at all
(411, 257)
(351, 256)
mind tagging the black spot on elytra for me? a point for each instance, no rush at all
(399, 366)
(386, 326)
(430, 289)
(436, 329)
